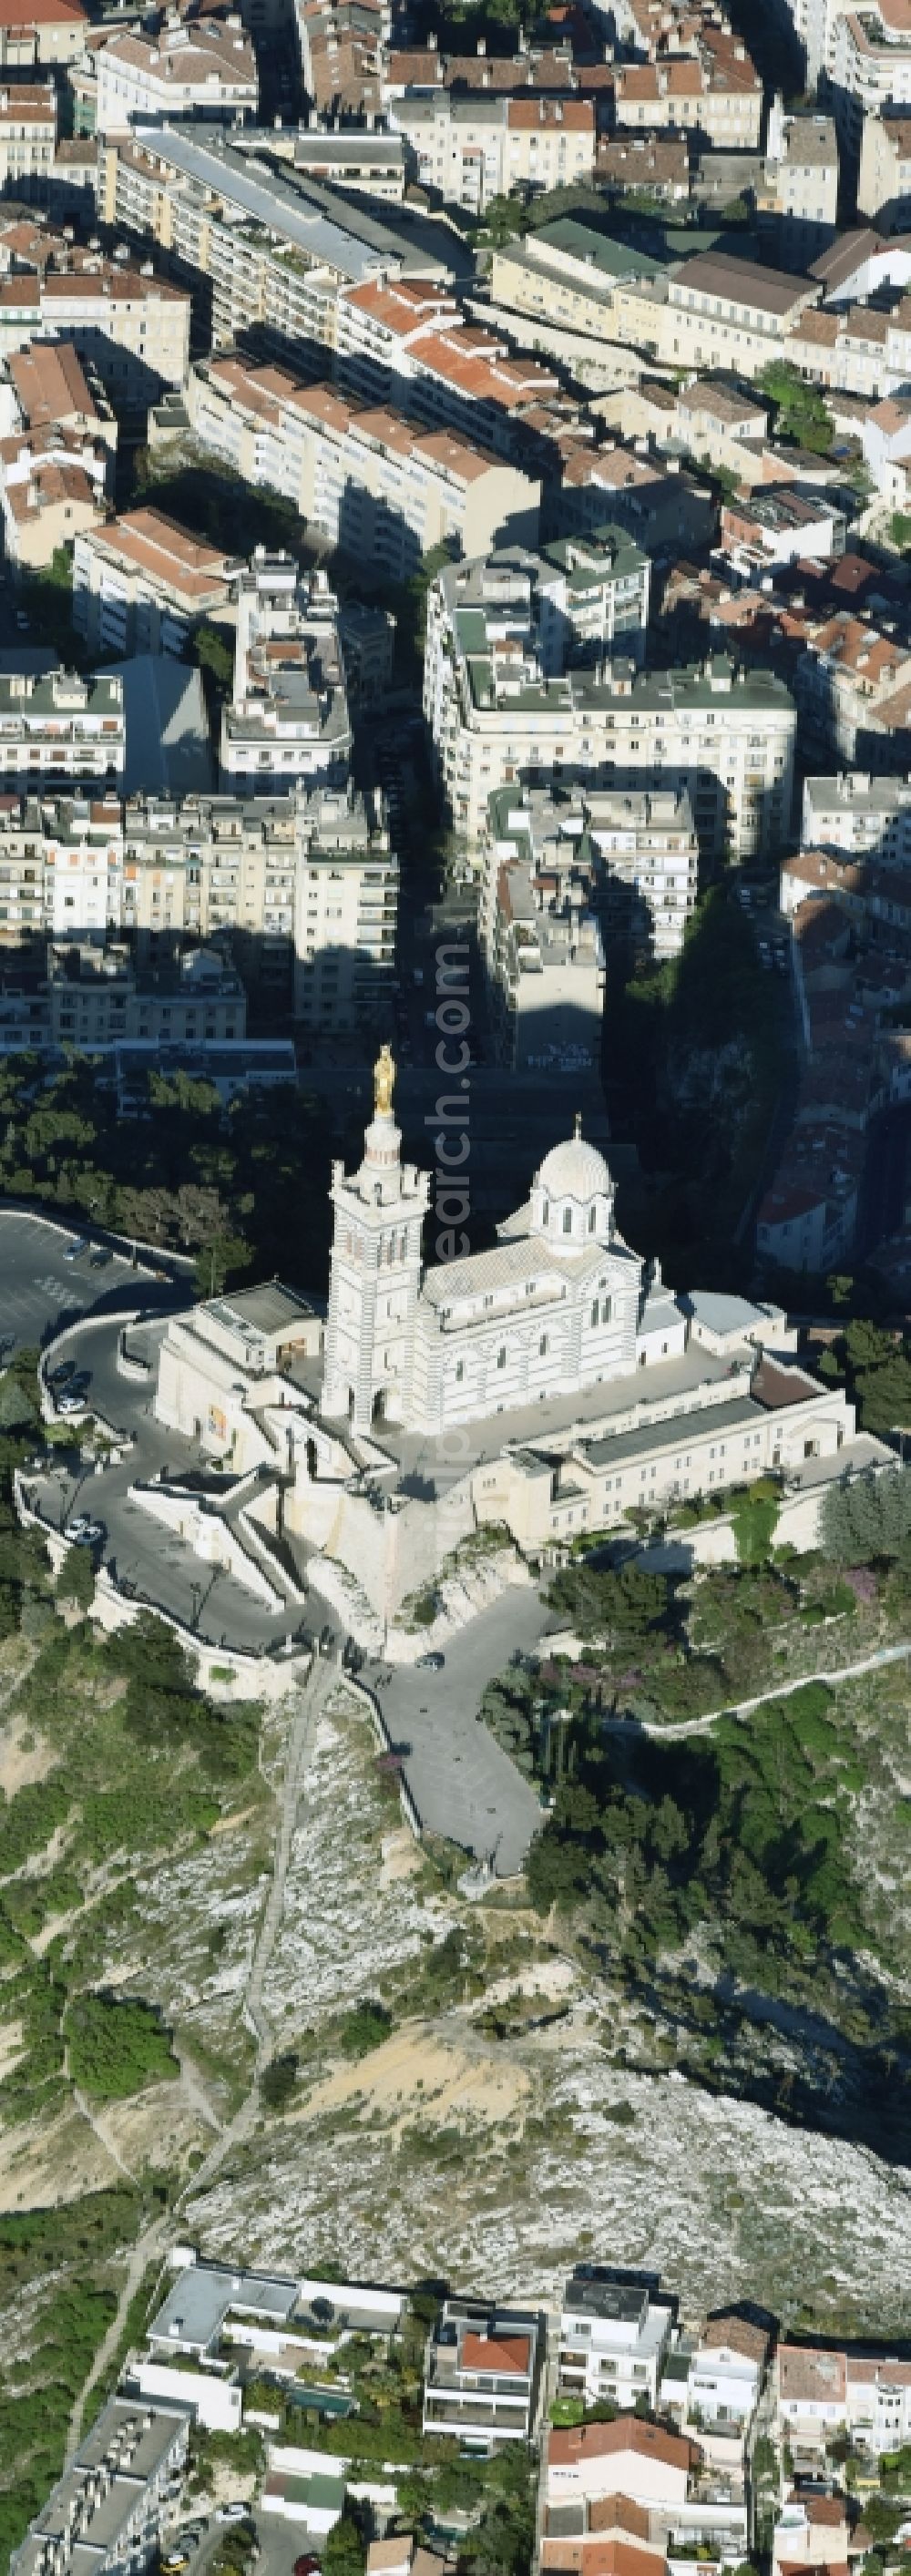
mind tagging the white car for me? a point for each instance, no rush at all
(232, 2512)
(83, 1532)
(70, 1403)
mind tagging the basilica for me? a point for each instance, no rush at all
(550, 1388)
(559, 1305)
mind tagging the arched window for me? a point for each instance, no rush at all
(542, 1346)
(501, 1358)
(545, 1213)
(595, 1311)
(606, 1310)
(460, 1371)
(567, 1220)
(592, 1213)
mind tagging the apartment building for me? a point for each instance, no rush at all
(264, 248)
(544, 943)
(714, 90)
(644, 491)
(781, 526)
(801, 181)
(451, 374)
(341, 45)
(843, 683)
(132, 327)
(566, 274)
(47, 387)
(48, 36)
(60, 730)
(614, 2333)
(870, 69)
(378, 484)
(714, 418)
(142, 585)
(725, 736)
(346, 910)
(482, 2373)
(855, 813)
(824, 2392)
(119, 2498)
(205, 70)
(884, 176)
(304, 886)
(96, 999)
(287, 718)
(468, 150)
(52, 490)
(28, 137)
(716, 311)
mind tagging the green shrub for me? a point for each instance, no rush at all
(116, 2046)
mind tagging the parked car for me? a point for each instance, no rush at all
(84, 1532)
(308, 2565)
(71, 1251)
(98, 1260)
(72, 1400)
(58, 1376)
(232, 2513)
(326, 1639)
(432, 1663)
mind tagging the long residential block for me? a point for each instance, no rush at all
(382, 487)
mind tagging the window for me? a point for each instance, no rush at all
(595, 1311)
(606, 1310)
(545, 1213)
(567, 1220)
(542, 1353)
(501, 1358)
(591, 1217)
(460, 1371)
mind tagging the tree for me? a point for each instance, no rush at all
(344, 2553)
(755, 1517)
(278, 2081)
(76, 1580)
(117, 2046)
(214, 654)
(868, 1517)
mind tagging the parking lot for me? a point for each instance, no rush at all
(41, 1290)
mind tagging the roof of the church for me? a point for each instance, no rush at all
(574, 1170)
(517, 1260)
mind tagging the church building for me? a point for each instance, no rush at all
(559, 1305)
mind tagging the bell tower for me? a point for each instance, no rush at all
(375, 1272)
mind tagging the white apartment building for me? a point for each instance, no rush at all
(725, 736)
(133, 327)
(346, 908)
(28, 137)
(119, 2498)
(141, 584)
(206, 70)
(468, 150)
(824, 2392)
(870, 67)
(59, 730)
(482, 2373)
(377, 483)
(447, 372)
(854, 812)
(287, 717)
(613, 2337)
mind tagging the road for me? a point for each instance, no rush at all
(463, 1785)
(782, 1690)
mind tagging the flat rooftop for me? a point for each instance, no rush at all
(202, 2293)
